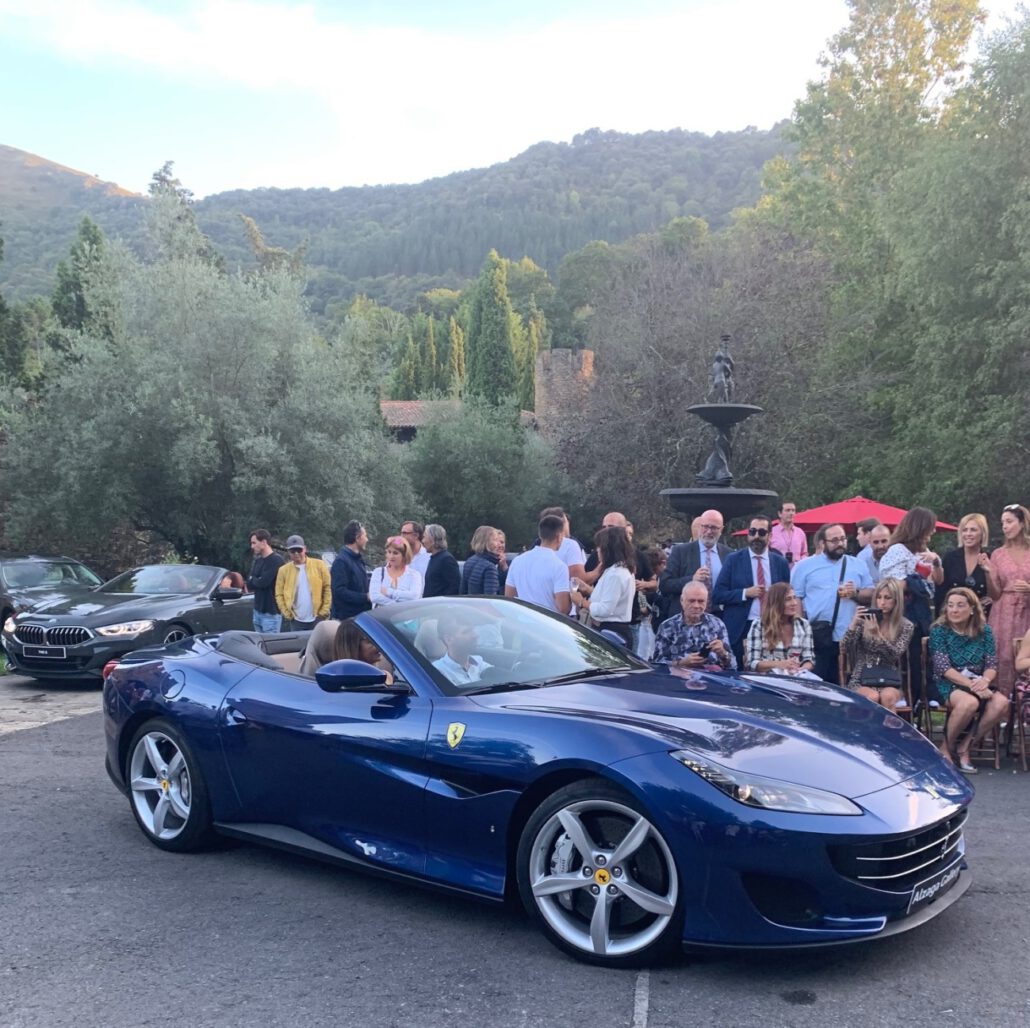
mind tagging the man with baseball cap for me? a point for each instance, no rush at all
(302, 588)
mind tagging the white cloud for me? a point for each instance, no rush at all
(407, 103)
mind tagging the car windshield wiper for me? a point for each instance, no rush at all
(590, 672)
(503, 687)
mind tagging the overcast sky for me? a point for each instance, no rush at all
(248, 93)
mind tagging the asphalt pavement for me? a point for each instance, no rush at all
(98, 927)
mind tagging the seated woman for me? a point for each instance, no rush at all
(965, 666)
(1022, 687)
(395, 581)
(878, 641)
(781, 640)
(341, 640)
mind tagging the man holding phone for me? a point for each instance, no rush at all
(830, 586)
(694, 639)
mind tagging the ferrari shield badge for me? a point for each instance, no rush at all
(455, 732)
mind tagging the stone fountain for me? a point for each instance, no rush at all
(715, 489)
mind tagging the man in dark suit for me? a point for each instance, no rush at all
(743, 581)
(698, 561)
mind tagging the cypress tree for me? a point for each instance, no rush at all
(489, 354)
(456, 358)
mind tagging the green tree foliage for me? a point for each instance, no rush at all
(69, 297)
(455, 357)
(395, 242)
(214, 407)
(476, 466)
(489, 351)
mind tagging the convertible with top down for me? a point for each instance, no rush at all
(633, 808)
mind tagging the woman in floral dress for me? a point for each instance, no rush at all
(1009, 586)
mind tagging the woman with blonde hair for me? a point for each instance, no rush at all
(481, 574)
(1009, 586)
(967, 564)
(965, 665)
(782, 639)
(395, 581)
(878, 638)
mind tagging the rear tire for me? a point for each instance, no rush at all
(169, 798)
(598, 877)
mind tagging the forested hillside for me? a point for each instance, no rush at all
(393, 242)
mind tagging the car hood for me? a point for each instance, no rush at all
(100, 608)
(809, 733)
(46, 594)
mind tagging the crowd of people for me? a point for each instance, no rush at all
(958, 624)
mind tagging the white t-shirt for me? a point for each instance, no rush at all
(571, 553)
(537, 575)
(420, 562)
(303, 608)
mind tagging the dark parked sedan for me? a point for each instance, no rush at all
(27, 580)
(156, 604)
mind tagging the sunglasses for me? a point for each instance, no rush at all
(296, 549)
(1015, 508)
(760, 532)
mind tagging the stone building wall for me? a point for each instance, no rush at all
(563, 378)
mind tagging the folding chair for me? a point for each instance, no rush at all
(905, 711)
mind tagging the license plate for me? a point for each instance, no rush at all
(55, 652)
(936, 885)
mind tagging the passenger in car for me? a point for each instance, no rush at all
(341, 640)
(459, 663)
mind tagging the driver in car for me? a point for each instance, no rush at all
(459, 663)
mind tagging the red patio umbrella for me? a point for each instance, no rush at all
(848, 512)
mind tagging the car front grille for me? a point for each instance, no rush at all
(60, 635)
(898, 863)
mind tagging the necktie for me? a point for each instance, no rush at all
(761, 581)
(708, 558)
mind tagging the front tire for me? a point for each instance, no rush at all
(168, 795)
(175, 633)
(598, 877)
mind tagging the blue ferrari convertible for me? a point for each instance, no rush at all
(486, 746)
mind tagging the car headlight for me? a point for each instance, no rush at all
(9, 625)
(766, 793)
(127, 629)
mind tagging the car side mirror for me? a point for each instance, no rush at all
(222, 595)
(344, 675)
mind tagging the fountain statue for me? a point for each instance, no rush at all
(714, 489)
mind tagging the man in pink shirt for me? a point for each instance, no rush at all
(790, 541)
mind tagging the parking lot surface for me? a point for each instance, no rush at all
(101, 928)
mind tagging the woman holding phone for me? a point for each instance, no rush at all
(967, 564)
(878, 637)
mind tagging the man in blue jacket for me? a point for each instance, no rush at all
(349, 576)
(743, 581)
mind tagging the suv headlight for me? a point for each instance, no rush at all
(127, 629)
(766, 793)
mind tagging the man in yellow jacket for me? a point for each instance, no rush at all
(302, 589)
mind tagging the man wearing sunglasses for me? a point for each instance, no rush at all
(744, 580)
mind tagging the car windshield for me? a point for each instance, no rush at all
(164, 578)
(32, 574)
(507, 643)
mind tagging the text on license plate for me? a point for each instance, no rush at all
(56, 652)
(928, 890)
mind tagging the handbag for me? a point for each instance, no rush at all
(822, 631)
(880, 676)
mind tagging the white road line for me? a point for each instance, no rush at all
(641, 999)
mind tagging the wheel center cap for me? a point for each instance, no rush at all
(165, 785)
(602, 876)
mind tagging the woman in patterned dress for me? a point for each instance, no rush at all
(965, 666)
(1009, 586)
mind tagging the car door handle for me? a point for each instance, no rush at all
(234, 717)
